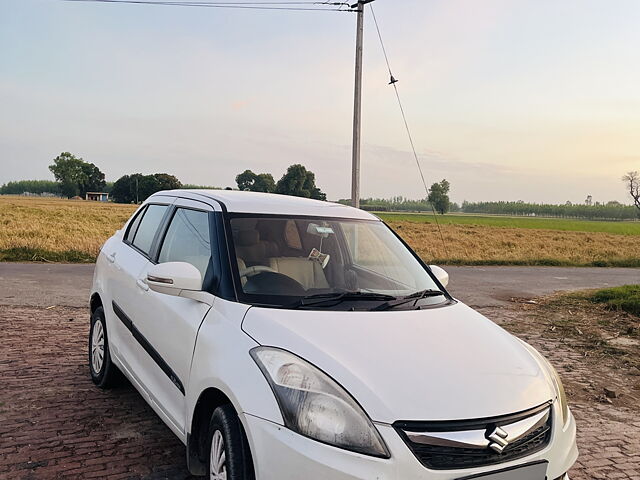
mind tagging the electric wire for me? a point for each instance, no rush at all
(287, 6)
(393, 82)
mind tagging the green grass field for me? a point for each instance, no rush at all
(570, 225)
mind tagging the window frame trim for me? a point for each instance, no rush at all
(213, 287)
(152, 251)
(139, 213)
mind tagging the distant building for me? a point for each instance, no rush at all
(97, 196)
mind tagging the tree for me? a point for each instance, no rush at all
(632, 181)
(147, 186)
(299, 182)
(439, 198)
(122, 190)
(264, 183)
(69, 173)
(75, 176)
(94, 179)
(168, 182)
(246, 180)
(137, 187)
(249, 181)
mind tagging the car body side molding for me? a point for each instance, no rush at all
(152, 352)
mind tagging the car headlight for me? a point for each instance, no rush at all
(314, 405)
(557, 382)
(562, 396)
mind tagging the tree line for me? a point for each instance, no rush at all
(598, 211)
(437, 200)
(37, 187)
(75, 177)
(398, 204)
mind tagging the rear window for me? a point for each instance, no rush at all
(133, 227)
(146, 231)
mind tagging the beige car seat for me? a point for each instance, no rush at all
(306, 272)
(249, 248)
(242, 266)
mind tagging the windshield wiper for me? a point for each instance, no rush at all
(414, 297)
(336, 298)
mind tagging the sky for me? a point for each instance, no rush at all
(534, 100)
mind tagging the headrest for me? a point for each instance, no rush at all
(248, 238)
(244, 223)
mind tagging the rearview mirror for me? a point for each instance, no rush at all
(319, 231)
(441, 274)
(179, 279)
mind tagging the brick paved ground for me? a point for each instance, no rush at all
(608, 433)
(55, 424)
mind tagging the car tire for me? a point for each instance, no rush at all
(229, 456)
(103, 371)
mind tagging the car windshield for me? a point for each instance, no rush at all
(314, 261)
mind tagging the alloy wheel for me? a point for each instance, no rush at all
(217, 460)
(97, 347)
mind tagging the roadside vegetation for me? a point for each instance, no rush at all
(625, 298)
(56, 230)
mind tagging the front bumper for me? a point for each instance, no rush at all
(280, 454)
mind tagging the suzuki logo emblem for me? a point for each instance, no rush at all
(498, 440)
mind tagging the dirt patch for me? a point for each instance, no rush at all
(596, 353)
(608, 342)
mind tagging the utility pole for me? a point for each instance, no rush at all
(357, 107)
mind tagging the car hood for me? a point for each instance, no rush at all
(438, 364)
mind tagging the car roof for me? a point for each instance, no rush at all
(270, 204)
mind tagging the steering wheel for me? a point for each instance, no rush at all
(256, 270)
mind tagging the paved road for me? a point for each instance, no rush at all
(43, 285)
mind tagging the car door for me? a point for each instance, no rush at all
(129, 258)
(169, 324)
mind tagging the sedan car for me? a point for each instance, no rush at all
(287, 338)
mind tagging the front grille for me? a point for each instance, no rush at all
(449, 457)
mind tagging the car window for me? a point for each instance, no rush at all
(143, 237)
(188, 240)
(133, 227)
(283, 257)
(370, 249)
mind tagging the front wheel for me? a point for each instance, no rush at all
(103, 372)
(229, 455)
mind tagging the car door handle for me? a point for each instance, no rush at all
(142, 284)
(112, 257)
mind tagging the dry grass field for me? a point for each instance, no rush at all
(41, 229)
(482, 245)
(50, 229)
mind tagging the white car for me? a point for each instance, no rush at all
(286, 338)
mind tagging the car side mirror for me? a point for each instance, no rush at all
(441, 274)
(178, 279)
